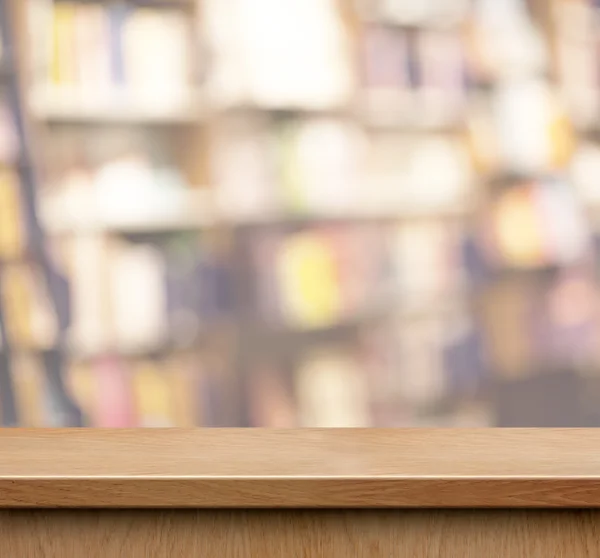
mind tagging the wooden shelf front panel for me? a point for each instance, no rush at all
(292, 533)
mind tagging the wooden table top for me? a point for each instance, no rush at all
(304, 468)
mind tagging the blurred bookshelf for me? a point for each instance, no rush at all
(391, 223)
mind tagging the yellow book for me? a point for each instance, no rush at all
(11, 238)
(16, 298)
(562, 140)
(29, 390)
(518, 229)
(63, 68)
(309, 281)
(152, 395)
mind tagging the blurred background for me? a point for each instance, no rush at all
(300, 213)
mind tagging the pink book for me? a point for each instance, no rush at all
(115, 401)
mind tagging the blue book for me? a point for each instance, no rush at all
(464, 364)
(118, 15)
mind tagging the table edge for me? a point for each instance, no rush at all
(303, 468)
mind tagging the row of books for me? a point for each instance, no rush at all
(136, 296)
(102, 50)
(399, 373)
(127, 188)
(542, 324)
(520, 127)
(122, 296)
(261, 54)
(329, 166)
(401, 368)
(319, 275)
(329, 385)
(261, 168)
(322, 275)
(577, 58)
(404, 71)
(443, 13)
(325, 390)
(533, 224)
(181, 390)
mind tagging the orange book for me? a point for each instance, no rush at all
(152, 395)
(29, 387)
(11, 233)
(518, 229)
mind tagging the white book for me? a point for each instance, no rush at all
(421, 263)
(584, 171)
(296, 53)
(157, 46)
(92, 38)
(440, 174)
(332, 392)
(88, 273)
(40, 40)
(243, 166)
(330, 157)
(227, 80)
(567, 235)
(523, 114)
(137, 296)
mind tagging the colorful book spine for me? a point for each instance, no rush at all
(117, 15)
(93, 48)
(81, 381)
(331, 392)
(138, 296)
(151, 393)
(11, 225)
(182, 391)
(89, 266)
(17, 304)
(271, 403)
(115, 399)
(308, 281)
(9, 147)
(30, 391)
(64, 63)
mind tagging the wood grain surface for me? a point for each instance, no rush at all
(294, 533)
(300, 468)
